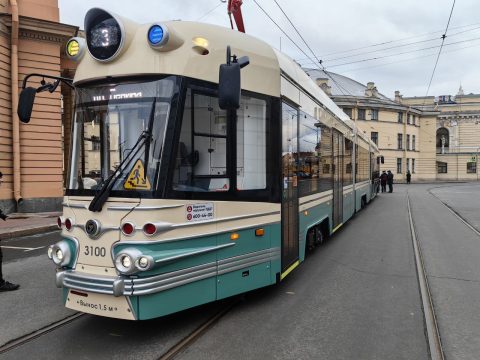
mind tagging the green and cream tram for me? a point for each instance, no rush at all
(178, 195)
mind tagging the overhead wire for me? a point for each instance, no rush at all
(440, 50)
(319, 64)
(400, 53)
(395, 47)
(393, 41)
(210, 11)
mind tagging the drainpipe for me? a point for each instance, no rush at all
(14, 88)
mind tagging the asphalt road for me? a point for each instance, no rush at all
(356, 297)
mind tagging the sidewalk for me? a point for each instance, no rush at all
(23, 224)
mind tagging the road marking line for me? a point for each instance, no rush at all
(21, 248)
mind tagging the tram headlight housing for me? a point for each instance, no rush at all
(131, 260)
(60, 253)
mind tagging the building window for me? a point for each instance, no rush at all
(348, 111)
(471, 167)
(408, 141)
(400, 142)
(441, 167)
(413, 119)
(399, 165)
(374, 114)
(361, 114)
(95, 143)
(408, 118)
(413, 166)
(374, 137)
(400, 117)
(408, 164)
(413, 142)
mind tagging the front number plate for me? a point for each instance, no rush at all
(100, 304)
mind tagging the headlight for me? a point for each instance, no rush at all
(124, 261)
(60, 253)
(131, 260)
(144, 263)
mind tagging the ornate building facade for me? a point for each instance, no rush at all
(435, 138)
(31, 155)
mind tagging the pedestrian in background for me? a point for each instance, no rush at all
(383, 181)
(4, 285)
(390, 181)
(409, 176)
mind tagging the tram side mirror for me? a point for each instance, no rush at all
(229, 85)
(380, 160)
(25, 104)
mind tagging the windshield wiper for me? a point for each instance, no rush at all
(102, 195)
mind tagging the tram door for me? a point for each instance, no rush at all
(337, 178)
(290, 186)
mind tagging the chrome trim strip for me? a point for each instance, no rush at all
(214, 221)
(144, 208)
(192, 253)
(122, 286)
(75, 206)
(321, 199)
(189, 237)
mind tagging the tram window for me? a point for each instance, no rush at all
(201, 161)
(251, 144)
(315, 154)
(362, 170)
(347, 156)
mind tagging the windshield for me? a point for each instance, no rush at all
(109, 119)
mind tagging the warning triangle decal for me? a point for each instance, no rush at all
(136, 179)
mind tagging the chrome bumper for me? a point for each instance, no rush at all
(127, 286)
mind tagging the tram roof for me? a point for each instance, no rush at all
(138, 58)
(263, 75)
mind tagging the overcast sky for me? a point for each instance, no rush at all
(332, 27)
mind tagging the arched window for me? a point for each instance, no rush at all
(443, 138)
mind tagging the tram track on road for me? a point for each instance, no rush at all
(22, 340)
(455, 213)
(197, 332)
(431, 325)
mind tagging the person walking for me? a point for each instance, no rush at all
(383, 181)
(390, 181)
(4, 285)
(409, 176)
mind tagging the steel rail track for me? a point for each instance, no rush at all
(433, 334)
(197, 333)
(38, 333)
(460, 217)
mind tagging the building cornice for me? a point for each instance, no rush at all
(40, 30)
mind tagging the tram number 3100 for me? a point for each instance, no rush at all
(95, 251)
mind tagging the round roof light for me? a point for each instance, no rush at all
(105, 34)
(157, 35)
(75, 48)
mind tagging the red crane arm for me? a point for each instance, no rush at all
(234, 8)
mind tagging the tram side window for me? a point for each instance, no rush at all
(363, 171)
(201, 161)
(251, 144)
(347, 162)
(315, 152)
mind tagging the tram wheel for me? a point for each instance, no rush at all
(318, 236)
(311, 239)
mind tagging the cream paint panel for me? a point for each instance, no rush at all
(260, 213)
(100, 304)
(106, 218)
(262, 75)
(312, 204)
(290, 91)
(315, 196)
